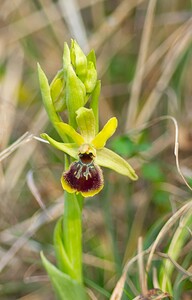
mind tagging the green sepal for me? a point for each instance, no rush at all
(75, 95)
(69, 148)
(63, 262)
(47, 100)
(94, 103)
(72, 233)
(109, 159)
(79, 60)
(57, 88)
(65, 287)
(86, 123)
(91, 78)
(46, 96)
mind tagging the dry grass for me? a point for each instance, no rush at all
(144, 61)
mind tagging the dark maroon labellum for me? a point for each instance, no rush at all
(83, 175)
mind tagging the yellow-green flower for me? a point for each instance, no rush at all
(88, 149)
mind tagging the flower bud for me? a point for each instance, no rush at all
(80, 77)
(91, 57)
(75, 95)
(91, 77)
(57, 89)
(79, 60)
(66, 60)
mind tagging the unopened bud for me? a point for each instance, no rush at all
(75, 95)
(91, 77)
(57, 89)
(79, 60)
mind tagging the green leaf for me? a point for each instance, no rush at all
(65, 287)
(123, 146)
(72, 233)
(175, 249)
(153, 172)
(63, 262)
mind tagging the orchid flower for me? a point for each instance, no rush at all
(88, 149)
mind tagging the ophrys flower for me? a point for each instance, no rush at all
(88, 149)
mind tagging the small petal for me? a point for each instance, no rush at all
(69, 148)
(108, 130)
(86, 123)
(109, 159)
(71, 132)
(83, 178)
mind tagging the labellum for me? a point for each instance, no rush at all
(83, 176)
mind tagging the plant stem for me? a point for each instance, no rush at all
(72, 233)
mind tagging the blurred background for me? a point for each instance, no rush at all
(144, 60)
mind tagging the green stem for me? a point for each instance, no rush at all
(72, 233)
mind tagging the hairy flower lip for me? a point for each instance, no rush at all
(84, 178)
